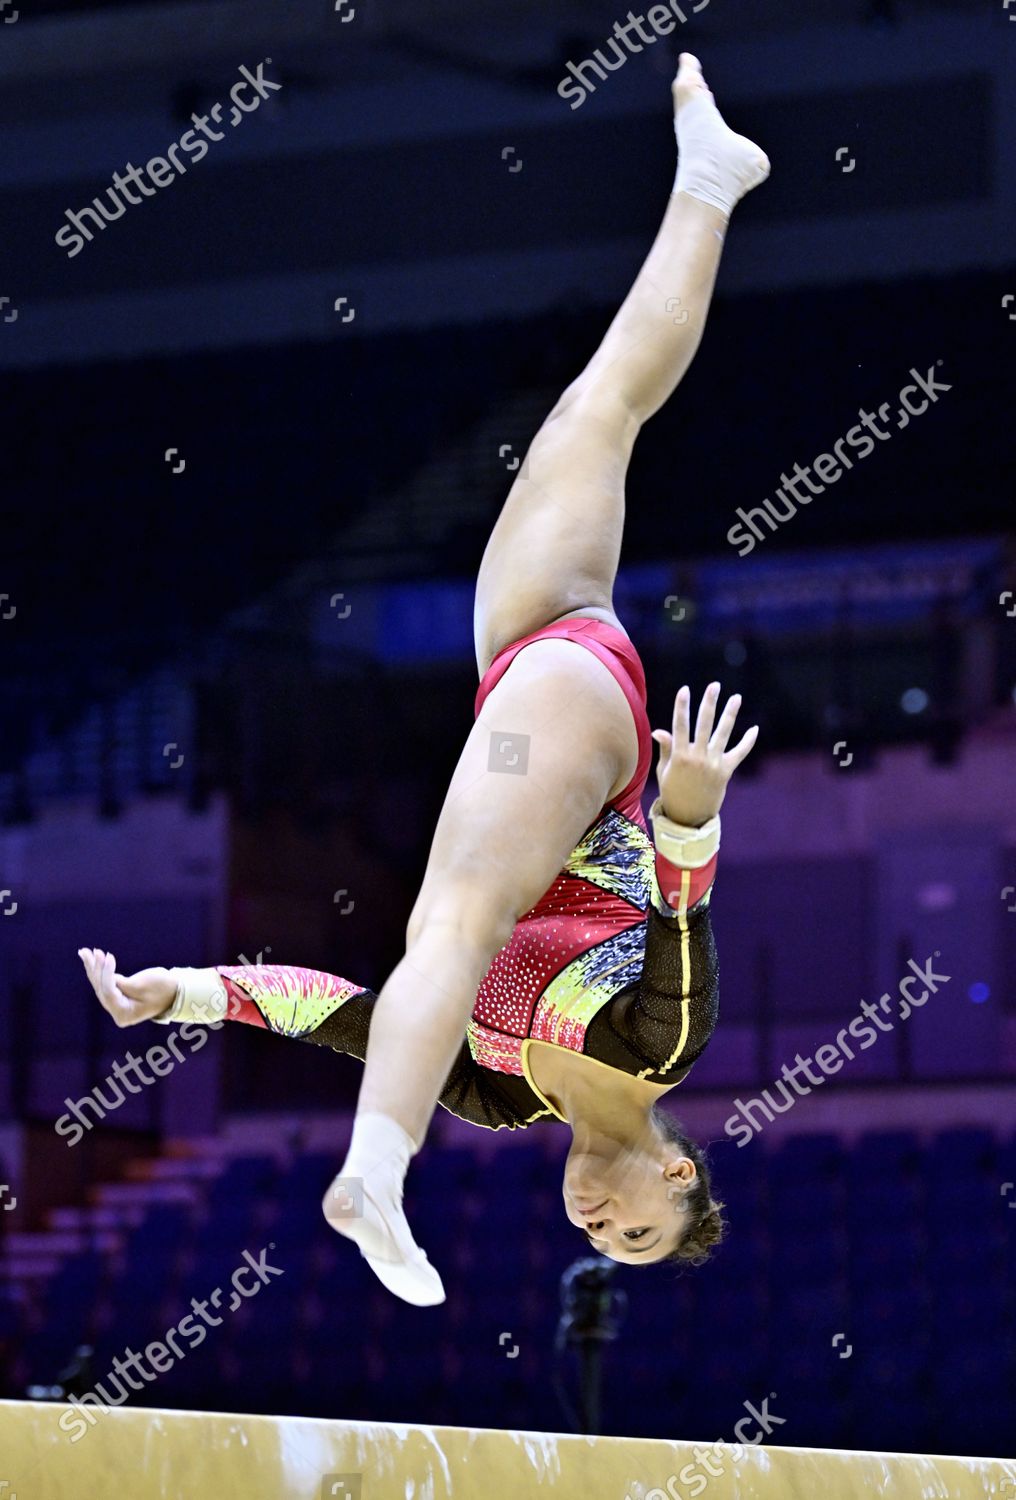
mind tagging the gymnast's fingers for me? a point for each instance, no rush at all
(90, 964)
(706, 714)
(742, 749)
(100, 968)
(108, 992)
(92, 968)
(680, 732)
(724, 729)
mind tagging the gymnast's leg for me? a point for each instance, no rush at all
(499, 843)
(500, 839)
(556, 545)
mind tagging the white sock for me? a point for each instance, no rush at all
(715, 164)
(377, 1160)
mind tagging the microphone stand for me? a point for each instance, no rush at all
(591, 1316)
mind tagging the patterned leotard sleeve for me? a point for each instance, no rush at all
(663, 1021)
(312, 1006)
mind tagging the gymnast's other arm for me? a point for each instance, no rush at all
(667, 1016)
(680, 956)
(289, 1000)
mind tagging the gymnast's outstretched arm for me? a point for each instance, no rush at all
(289, 1000)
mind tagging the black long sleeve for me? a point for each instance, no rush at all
(663, 1022)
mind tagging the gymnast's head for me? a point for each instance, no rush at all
(647, 1204)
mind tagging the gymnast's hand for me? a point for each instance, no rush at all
(141, 997)
(693, 773)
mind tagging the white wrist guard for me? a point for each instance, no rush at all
(688, 848)
(200, 997)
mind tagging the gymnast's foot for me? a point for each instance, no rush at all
(714, 164)
(375, 1167)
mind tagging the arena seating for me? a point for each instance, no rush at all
(872, 1289)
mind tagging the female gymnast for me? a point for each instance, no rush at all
(558, 962)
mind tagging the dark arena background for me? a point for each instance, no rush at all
(257, 429)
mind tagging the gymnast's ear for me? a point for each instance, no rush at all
(680, 1173)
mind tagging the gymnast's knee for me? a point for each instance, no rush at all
(597, 400)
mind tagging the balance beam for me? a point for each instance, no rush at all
(175, 1455)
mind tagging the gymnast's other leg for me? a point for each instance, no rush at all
(501, 839)
(555, 548)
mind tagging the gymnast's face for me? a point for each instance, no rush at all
(628, 1204)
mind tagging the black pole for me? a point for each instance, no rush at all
(590, 1318)
(591, 1367)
